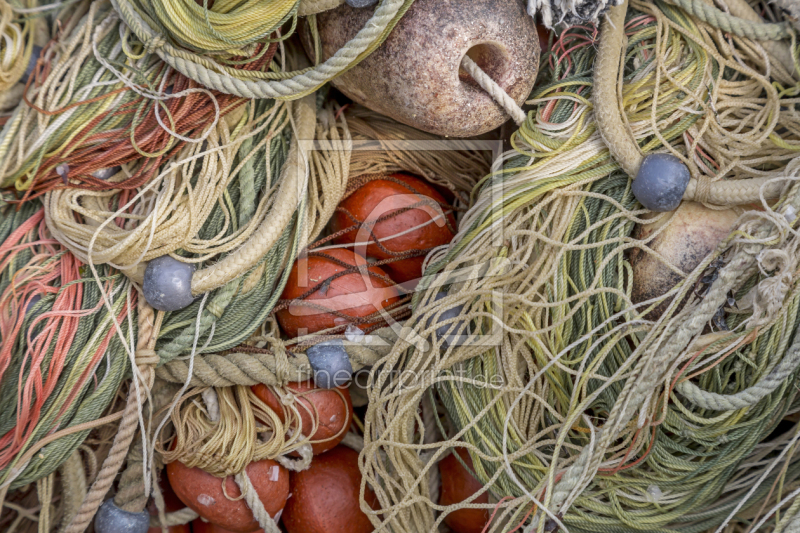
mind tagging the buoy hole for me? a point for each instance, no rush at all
(492, 58)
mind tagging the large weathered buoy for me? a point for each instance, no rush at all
(692, 233)
(415, 76)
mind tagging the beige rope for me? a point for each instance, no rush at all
(777, 49)
(146, 359)
(253, 368)
(73, 484)
(45, 489)
(293, 182)
(177, 518)
(300, 85)
(495, 91)
(606, 102)
(312, 7)
(250, 495)
(617, 136)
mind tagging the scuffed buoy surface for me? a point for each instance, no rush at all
(415, 75)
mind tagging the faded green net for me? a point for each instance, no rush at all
(570, 394)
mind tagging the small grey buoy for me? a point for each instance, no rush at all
(168, 283)
(443, 330)
(112, 519)
(330, 363)
(661, 181)
(361, 3)
(35, 54)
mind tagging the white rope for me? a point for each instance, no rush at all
(494, 90)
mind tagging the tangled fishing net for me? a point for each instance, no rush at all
(578, 407)
(134, 130)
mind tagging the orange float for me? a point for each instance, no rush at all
(203, 493)
(353, 295)
(458, 484)
(332, 407)
(325, 498)
(198, 526)
(384, 205)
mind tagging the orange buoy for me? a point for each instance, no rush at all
(382, 205)
(332, 408)
(203, 493)
(458, 484)
(325, 498)
(356, 294)
(198, 526)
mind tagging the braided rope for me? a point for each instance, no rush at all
(73, 482)
(620, 141)
(298, 86)
(293, 184)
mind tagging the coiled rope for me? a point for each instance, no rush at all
(210, 73)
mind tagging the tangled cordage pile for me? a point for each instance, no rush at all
(586, 364)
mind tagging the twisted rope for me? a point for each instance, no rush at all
(495, 91)
(756, 30)
(249, 369)
(145, 363)
(369, 37)
(250, 496)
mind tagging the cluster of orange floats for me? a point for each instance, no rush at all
(394, 220)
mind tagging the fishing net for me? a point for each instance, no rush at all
(578, 407)
(199, 40)
(255, 432)
(175, 128)
(63, 354)
(99, 106)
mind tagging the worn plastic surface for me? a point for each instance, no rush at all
(168, 284)
(661, 182)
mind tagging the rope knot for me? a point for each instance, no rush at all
(771, 292)
(703, 190)
(283, 368)
(154, 43)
